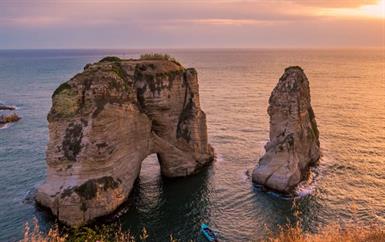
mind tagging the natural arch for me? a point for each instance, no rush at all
(150, 166)
(106, 120)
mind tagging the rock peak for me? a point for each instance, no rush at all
(106, 120)
(293, 68)
(294, 137)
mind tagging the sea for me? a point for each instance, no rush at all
(348, 185)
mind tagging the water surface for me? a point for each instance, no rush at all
(348, 97)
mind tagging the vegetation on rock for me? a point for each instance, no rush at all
(64, 100)
(158, 56)
(62, 87)
(110, 58)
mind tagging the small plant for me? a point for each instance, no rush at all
(158, 56)
(110, 59)
(35, 235)
(144, 235)
(172, 239)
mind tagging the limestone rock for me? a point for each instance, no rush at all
(106, 120)
(294, 137)
(9, 118)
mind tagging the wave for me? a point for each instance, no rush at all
(4, 126)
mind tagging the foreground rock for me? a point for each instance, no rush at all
(106, 120)
(294, 143)
(8, 118)
(6, 107)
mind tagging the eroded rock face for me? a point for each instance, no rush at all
(106, 120)
(294, 137)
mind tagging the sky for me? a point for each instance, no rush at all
(113, 24)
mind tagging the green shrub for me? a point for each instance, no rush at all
(110, 59)
(158, 56)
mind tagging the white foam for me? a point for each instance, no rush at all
(308, 186)
(5, 126)
(303, 191)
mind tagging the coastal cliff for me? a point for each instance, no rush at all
(294, 136)
(106, 120)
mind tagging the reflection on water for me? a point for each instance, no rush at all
(348, 96)
(162, 204)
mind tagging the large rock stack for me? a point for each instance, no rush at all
(106, 120)
(294, 137)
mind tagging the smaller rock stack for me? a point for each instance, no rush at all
(7, 115)
(294, 137)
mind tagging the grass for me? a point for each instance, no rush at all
(62, 87)
(99, 234)
(158, 56)
(110, 59)
(64, 102)
(330, 233)
(350, 232)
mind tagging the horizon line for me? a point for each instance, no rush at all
(200, 48)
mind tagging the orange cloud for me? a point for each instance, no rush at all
(336, 3)
(218, 23)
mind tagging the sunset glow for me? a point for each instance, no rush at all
(192, 120)
(368, 11)
(377, 10)
(189, 23)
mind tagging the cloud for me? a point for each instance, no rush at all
(56, 13)
(180, 23)
(335, 3)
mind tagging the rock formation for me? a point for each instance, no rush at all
(6, 107)
(294, 143)
(106, 120)
(7, 115)
(9, 118)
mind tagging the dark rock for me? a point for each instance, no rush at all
(6, 107)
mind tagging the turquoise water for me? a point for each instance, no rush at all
(348, 96)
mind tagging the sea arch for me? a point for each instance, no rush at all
(106, 120)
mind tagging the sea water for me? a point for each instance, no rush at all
(348, 97)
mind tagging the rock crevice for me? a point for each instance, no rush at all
(106, 120)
